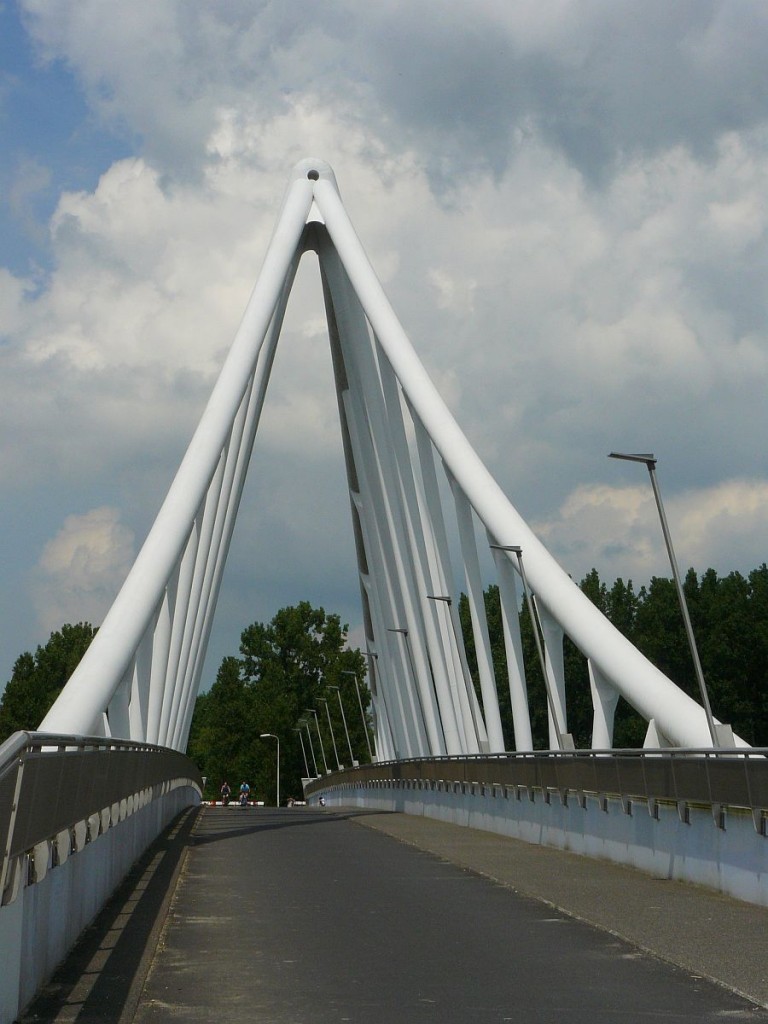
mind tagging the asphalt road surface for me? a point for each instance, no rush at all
(303, 916)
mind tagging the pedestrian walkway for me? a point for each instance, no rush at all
(301, 915)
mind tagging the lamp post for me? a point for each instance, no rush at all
(264, 736)
(303, 750)
(352, 760)
(515, 549)
(650, 463)
(305, 723)
(447, 601)
(460, 650)
(330, 729)
(347, 672)
(311, 711)
(404, 632)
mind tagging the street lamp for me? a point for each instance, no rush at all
(404, 632)
(303, 750)
(267, 735)
(455, 622)
(650, 463)
(353, 762)
(564, 740)
(330, 729)
(311, 711)
(347, 672)
(305, 723)
(448, 601)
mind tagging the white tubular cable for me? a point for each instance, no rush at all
(79, 706)
(142, 670)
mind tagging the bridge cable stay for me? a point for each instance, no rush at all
(414, 481)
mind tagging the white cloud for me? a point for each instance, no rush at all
(617, 529)
(578, 260)
(81, 569)
(12, 294)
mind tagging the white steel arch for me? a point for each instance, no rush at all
(140, 676)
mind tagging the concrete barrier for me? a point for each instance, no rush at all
(43, 922)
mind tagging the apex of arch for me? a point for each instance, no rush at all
(314, 169)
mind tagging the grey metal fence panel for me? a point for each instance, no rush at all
(67, 779)
(732, 779)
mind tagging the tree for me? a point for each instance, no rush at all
(286, 666)
(37, 679)
(730, 621)
(756, 691)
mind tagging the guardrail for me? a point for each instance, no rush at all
(734, 778)
(63, 791)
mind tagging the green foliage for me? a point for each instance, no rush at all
(730, 621)
(285, 667)
(38, 679)
(290, 664)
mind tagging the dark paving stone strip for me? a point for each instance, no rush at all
(701, 931)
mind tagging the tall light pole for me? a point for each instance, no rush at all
(263, 736)
(305, 723)
(322, 700)
(448, 601)
(650, 463)
(563, 739)
(352, 760)
(460, 678)
(311, 711)
(347, 672)
(404, 633)
(303, 750)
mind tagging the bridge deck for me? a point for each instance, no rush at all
(298, 916)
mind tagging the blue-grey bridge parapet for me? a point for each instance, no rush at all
(693, 815)
(75, 813)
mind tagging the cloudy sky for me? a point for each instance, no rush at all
(567, 204)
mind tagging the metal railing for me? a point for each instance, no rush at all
(50, 783)
(734, 778)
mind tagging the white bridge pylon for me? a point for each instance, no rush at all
(140, 677)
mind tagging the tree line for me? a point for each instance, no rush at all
(729, 615)
(289, 666)
(37, 679)
(286, 668)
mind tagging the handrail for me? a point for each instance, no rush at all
(735, 778)
(50, 782)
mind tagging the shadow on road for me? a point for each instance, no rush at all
(222, 823)
(101, 980)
